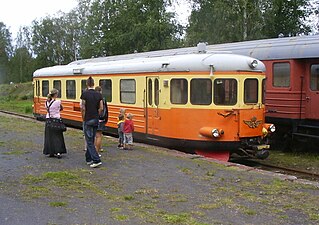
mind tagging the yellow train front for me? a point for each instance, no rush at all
(195, 102)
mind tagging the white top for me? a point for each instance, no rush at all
(54, 109)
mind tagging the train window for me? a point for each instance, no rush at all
(251, 91)
(201, 91)
(57, 85)
(128, 91)
(281, 75)
(106, 86)
(37, 88)
(156, 87)
(70, 89)
(179, 91)
(225, 92)
(83, 85)
(150, 92)
(263, 91)
(314, 77)
(45, 88)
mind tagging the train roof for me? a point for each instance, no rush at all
(266, 49)
(299, 47)
(221, 61)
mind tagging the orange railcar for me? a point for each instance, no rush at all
(193, 102)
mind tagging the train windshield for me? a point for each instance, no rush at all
(225, 92)
(251, 91)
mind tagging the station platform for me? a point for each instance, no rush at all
(148, 185)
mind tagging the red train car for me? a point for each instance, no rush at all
(292, 86)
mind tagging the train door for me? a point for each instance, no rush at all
(152, 103)
(36, 100)
(312, 92)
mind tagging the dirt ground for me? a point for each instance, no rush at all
(148, 185)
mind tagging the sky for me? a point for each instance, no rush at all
(17, 13)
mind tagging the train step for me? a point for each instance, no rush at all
(305, 135)
(312, 127)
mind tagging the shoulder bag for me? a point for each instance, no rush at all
(55, 124)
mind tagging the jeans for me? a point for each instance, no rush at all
(90, 128)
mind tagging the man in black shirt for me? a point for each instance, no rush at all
(92, 106)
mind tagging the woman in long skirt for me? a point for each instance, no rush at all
(53, 140)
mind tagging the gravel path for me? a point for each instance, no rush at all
(148, 185)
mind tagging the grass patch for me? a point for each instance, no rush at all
(58, 204)
(128, 198)
(181, 218)
(209, 206)
(113, 210)
(15, 152)
(121, 217)
(69, 181)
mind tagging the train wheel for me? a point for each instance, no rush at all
(218, 155)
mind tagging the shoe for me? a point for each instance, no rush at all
(100, 155)
(93, 165)
(59, 156)
(101, 150)
(89, 163)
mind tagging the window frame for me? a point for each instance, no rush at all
(224, 93)
(277, 80)
(43, 91)
(58, 88)
(183, 98)
(68, 90)
(127, 91)
(192, 101)
(255, 100)
(106, 89)
(311, 77)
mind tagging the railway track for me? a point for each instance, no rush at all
(302, 174)
(17, 114)
(247, 162)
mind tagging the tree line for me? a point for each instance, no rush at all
(97, 28)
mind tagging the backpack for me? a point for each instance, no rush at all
(105, 113)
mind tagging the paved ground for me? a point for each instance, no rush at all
(146, 186)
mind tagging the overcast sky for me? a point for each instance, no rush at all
(16, 13)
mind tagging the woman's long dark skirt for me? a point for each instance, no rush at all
(53, 142)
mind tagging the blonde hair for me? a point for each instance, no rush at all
(129, 115)
(98, 88)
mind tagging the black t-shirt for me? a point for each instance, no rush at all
(92, 104)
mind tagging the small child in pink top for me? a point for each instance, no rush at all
(128, 132)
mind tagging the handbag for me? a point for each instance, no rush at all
(55, 124)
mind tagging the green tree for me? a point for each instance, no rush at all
(285, 18)
(21, 65)
(125, 26)
(54, 39)
(5, 52)
(220, 21)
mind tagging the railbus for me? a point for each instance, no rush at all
(196, 102)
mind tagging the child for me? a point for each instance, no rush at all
(128, 132)
(120, 129)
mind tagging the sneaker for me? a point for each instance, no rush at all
(101, 150)
(59, 156)
(100, 155)
(89, 163)
(93, 165)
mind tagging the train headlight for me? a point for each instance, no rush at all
(272, 128)
(215, 133)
